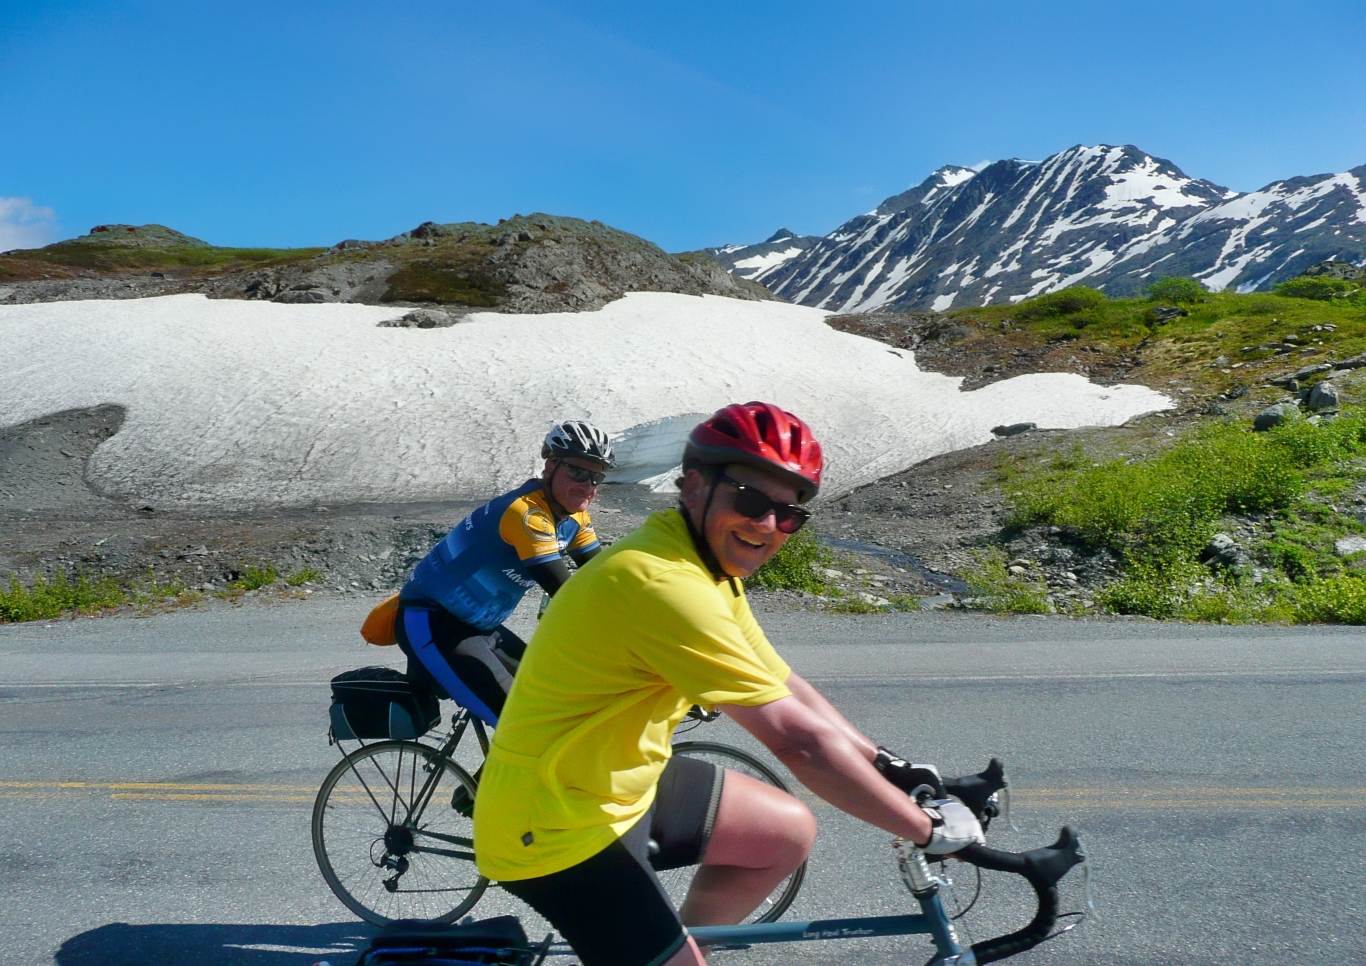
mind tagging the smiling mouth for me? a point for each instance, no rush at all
(749, 543)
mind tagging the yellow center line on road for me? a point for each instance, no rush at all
(173, 786)
(1145, 798)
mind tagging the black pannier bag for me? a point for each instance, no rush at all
(380, 702)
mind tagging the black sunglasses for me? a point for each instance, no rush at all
(754, 503)
(580, 475)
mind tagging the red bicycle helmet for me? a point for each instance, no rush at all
(762, 435)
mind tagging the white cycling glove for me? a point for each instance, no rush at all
(953, 827)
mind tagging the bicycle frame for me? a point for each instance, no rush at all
(933, 921)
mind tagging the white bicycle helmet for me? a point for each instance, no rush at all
(574, 437)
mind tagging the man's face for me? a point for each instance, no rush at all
(568, 492)
(740, 544)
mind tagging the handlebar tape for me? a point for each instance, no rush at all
(1043, 868)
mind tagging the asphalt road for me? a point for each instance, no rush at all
(156, 777)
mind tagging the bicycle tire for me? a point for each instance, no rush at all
(677, 881)
(365, 835)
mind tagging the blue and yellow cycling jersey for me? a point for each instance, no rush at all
(479, 571)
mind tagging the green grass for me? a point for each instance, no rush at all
(95, 256)
(49, 597)
(998, 591)
(795, 566)
(1217, 324)
(304, 575)
(463, 281)
(1158, 513)
(45, 598)
(254, 577)
(1337, 600)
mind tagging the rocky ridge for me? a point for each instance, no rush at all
(525, 264)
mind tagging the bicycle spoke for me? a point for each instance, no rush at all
(367, 833)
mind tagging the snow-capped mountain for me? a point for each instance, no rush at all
(1110, 217)
(748, 261)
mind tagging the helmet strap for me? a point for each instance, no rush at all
(548, 484)
(699, 538)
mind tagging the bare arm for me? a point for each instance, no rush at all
(827, 759)
(803, 691)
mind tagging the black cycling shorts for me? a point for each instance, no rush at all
(429, 635)
(611, 908)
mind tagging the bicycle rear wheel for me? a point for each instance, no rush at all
(677, 881)
(388, 840)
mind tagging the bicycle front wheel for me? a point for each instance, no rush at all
(677, 881)
(393, 835)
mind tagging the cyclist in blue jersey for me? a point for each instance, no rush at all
(451, 611)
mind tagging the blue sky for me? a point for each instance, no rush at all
(296, 123)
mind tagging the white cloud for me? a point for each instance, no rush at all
(25, 225)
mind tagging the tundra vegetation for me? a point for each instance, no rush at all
(1287, 494)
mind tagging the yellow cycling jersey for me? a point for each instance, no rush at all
(633, 640)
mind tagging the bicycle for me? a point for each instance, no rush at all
(503, 942)
(392, 825)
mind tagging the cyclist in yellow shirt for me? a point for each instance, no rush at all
(580, 789)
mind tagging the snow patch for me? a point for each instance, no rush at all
(247, 403)
(758, 264)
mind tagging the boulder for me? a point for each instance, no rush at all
(1223, 551)
(1322, 398)
(1014, 429)
(1349, 546)
(308, 296)
(421, 319)
(1166, 313)
(1356, 362)
(1313, 370)
(1273, 416)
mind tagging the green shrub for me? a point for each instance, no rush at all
(1338, 600)
(465, 282)
(1158, 589)
(49, 597)
(1077, 298)
(794, 566)
(1171, 503)
(254, 578)
(999, 591)
(1158, 513)
(304, 575)
(1296, 561)
(1182, 291)
(1318, 287)
(1312, 444)
(853, 604)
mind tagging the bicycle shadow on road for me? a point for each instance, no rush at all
(222, 944)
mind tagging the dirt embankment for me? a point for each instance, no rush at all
(913, 533)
